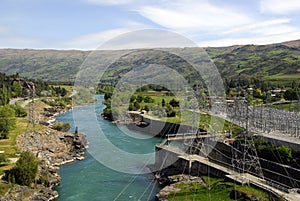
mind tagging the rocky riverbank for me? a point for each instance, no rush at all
(169, 184)
(53, 149)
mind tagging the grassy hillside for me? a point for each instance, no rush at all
(48, 65)
(276, 62)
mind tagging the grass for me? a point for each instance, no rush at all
(215, 189)
(10, 149)
(9, 145)
(287, 106)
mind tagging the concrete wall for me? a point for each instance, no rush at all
(278, 142)
(158, 128)
(221, 153)
(165, 159)
(286, 176)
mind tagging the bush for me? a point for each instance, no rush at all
(3, 159)
(62, 126)
(25, 171)
(136, 106)
(148, 99)
(139, 98)
(19, 110)
(174, 103)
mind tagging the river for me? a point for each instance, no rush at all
(90, 179)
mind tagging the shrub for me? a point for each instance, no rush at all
(25, 171)
(148, 99)
(62, 126)
(19, 110)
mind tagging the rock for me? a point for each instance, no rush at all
(53, 148)
(164, 193)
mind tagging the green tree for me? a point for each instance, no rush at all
(3, 159)
(174, 103)
(139, 98)
(19, 110)
(290, 94)
(257, 93)
(285, 153)
(25, 171)
(163, 102)
(132, 98)
(7, 120)
(148, 99)
(16, 89)
(4, 95)
(146, 108)
(136, 106)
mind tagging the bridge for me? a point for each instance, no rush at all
(188, 136)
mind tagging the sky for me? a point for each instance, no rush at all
(85, 24)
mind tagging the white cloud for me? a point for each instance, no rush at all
(279, 6)
(119, 39)
(93, 40)
(194, 15)
(252, 40)
(148, 38)
(255, 26)
(275, 30)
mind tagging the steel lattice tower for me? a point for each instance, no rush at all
(244, 154)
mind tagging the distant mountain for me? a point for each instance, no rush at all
(47, 65)
(272, 62)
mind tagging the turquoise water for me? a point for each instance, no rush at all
(91, 180)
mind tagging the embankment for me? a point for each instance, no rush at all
(53, 149)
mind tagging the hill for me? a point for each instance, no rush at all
(47, 65)
(276, 62)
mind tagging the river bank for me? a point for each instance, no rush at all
(52, 148)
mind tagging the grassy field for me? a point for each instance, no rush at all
(206, 121)
(10, 149)
(216, 189)
(9, 145)
(287, 106)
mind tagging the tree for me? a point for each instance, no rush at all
(148, 99)
(25, 171)
(139, 98)
(132, 98)
(169, 110)
(7, 120)
(146, 108)
(257, 93)
(136, 106)
(163, 102)
(16, 89)
(3, 159)
(290, 94)
(4, 95)
(174, 103)
(285, 153)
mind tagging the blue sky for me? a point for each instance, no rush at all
(84, 24)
